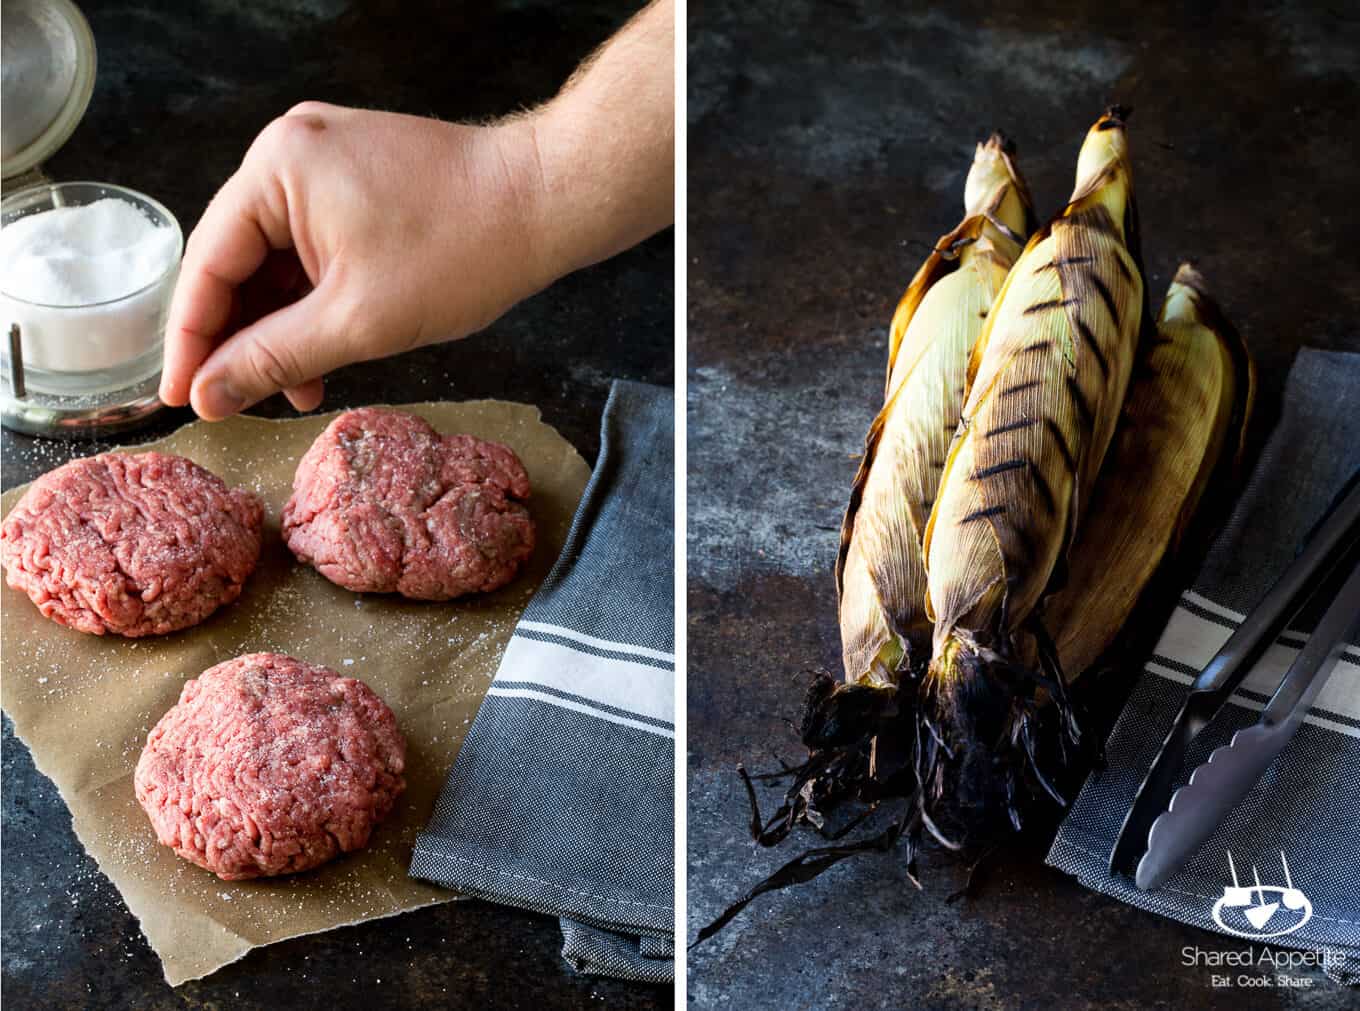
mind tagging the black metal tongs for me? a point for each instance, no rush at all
(1162, 830)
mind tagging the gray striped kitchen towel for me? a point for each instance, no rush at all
(562, 799)
(1299, 824)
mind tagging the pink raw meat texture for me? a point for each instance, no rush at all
(383, 503)
(268, 765)
(132, 543)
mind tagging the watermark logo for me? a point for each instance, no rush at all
(1260, 911)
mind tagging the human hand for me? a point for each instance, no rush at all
(348, 235)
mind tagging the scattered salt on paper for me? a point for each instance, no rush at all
(85, 725)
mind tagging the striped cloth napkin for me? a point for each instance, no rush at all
(562, 797)
(1298, 825)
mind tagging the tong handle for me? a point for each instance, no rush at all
(1338, 627)
(1258, 630)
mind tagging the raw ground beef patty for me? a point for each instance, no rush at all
(268, 765)
(137, 543)
(383, 503)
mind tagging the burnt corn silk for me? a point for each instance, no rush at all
(1048, 377)
(880, 571)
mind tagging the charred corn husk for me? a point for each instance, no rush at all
(880, 571)
(1050, 371)
(1048, 379)
(1184, 418)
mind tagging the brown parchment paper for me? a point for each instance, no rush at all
(84, 704)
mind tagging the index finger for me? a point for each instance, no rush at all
(228, 245)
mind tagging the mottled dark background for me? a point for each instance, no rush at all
(182, 89)
(828, 145)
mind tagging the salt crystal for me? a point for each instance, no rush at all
(96, 252)
(53, 262)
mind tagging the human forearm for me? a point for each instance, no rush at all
(605, 148)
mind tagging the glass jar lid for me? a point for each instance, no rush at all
(47, 73)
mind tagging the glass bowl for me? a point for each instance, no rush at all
(91, 349)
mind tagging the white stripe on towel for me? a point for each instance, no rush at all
(529, 693)
(1193, 641)
(590, 640)
(622, 684)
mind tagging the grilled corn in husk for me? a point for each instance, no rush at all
(880, 571)
(1050, 371)
(1184, 419)
(1087, 436)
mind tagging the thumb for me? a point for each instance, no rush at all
(286, 350)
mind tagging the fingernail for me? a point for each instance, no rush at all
(219, 400)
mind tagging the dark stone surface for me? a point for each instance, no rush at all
(828, 146)
(182, 89)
